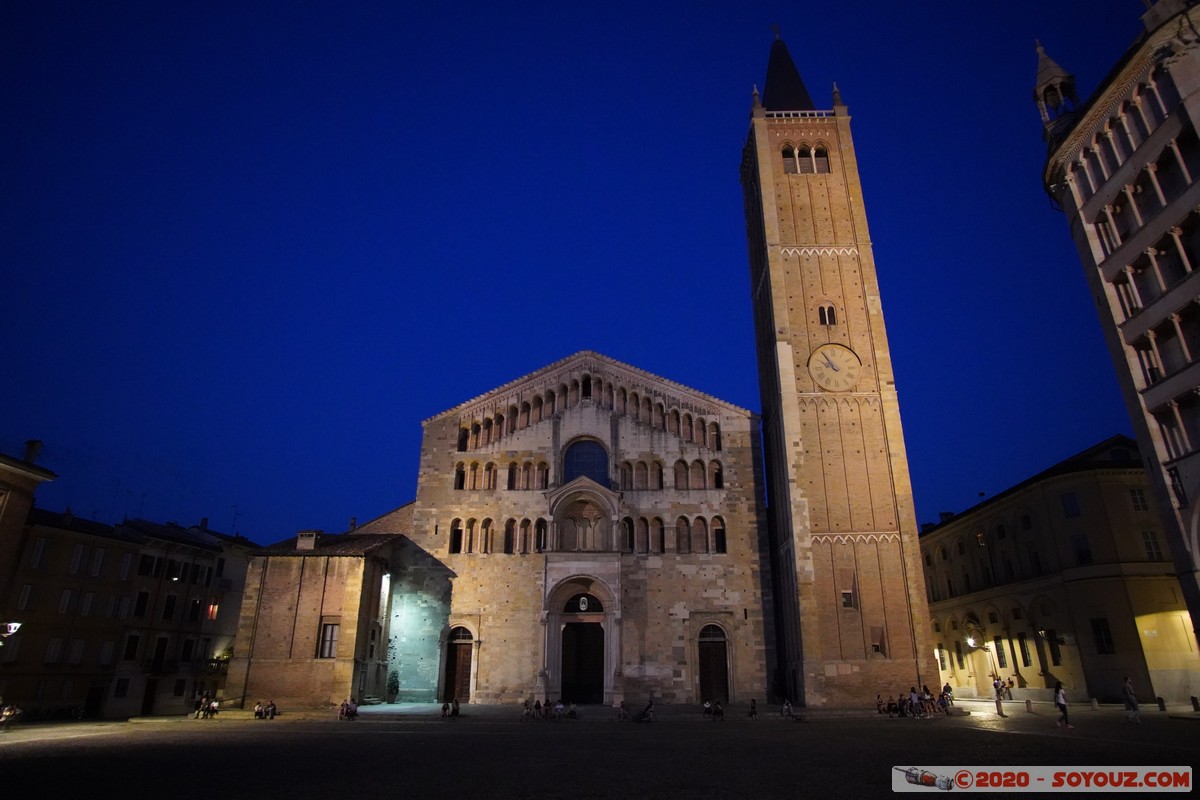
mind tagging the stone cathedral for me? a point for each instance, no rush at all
(595, 533)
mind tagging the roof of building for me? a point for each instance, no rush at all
(65, 520)
(194, 536)
(26, 468)
(1104, 455)
(784, 89)
(331, 544)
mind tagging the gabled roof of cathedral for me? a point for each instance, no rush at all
(784, 89)
(616, 368)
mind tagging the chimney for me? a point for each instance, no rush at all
(33, 448)
(204, 523)
(353, 523)
(307, 540)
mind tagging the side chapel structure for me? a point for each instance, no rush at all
(596, 533)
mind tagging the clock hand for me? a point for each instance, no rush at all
(829, 363)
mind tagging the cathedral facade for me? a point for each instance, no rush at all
(595, 533)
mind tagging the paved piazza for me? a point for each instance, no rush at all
(490, 753)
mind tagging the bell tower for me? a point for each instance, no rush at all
(849, 588)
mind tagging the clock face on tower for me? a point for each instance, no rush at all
(834, 367)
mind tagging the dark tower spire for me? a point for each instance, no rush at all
(784, 89)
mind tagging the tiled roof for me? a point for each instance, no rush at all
(331, 544)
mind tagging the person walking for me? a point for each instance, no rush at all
(1060, 702)
(1132, 713)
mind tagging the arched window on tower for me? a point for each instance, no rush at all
(789, 159)
(524, 539)
(806, 161)
(510, 537)
(539, 534)
(718, 535)
(513, 469)
(821, 160)
(464, 436)
(587, 387)
(456, 536)
(460, 477)
(827, 315)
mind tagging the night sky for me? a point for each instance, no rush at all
(247, 247)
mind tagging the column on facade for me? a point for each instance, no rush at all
(1152, 256)
(1177, 321)
(1177, 236)
(1112, 226)
(1153, 339)
(1134, 141)
(1087, 173)
(1181, 431)
(1152, 172)
(1133, 208)
(1133, 288)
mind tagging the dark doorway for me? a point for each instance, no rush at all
(94, 702)
(714, 665)
(583, 663)
(148, 696)
(458, 666)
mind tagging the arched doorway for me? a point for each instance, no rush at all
(582, 658)
(714, 665)
(459, 647)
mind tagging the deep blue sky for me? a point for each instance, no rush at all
(247, 247)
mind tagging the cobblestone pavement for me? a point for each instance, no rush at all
(408, 751)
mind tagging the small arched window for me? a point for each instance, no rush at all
(681, 475)
(587, 387)
(513, 469)
(821, 160)
(464, 437)
(716, 476)
(460, 477)
(789, 159)
(806, 161)
(510, 537)
(539, 535)
(827, 315)
(683, 535)
(718, 534)
(712, 633)
(456, 536)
